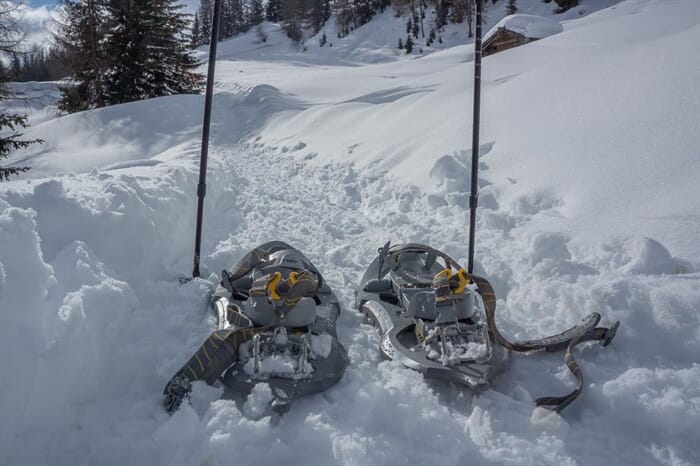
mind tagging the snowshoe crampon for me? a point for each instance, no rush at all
(282, 318)
(430, 315)
(436, 318)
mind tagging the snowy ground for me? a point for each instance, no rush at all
(589, 203)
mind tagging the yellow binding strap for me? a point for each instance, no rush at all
(272, 286)
(446, 273)
(463, 281)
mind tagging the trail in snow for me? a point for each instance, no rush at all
(339, 215)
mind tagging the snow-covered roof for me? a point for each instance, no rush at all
(534, 27)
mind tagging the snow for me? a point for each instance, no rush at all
(37, 100)
(321, 345)
(589, 202)
(531, 26)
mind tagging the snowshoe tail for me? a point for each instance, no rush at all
(587, 330)
(177, 391)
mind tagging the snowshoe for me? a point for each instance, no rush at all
(429, 316)
(276, 324)
(436, 318)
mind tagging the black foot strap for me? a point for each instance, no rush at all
(586, 330)
(216, 354)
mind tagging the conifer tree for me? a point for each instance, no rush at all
(293, 14)
(345, 16)
(316, 15)
(442, 8)
(233, 20)
(150, 57)
(273, 12)
(363, 11)
(408, 45)
(511, 8)
(206, 11)
(431, 37)
(565, 5)
(196, 40)
(81, 36)
(10, 123)
(326, 9)
(16, 65)
(10, 141)
(416, 21)
(256, 14)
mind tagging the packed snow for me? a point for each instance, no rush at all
(589, 202)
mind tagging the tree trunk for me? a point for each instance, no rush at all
(422, 31)
(100, 101)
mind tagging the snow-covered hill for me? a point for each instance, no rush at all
(377, 41)
(589, 203)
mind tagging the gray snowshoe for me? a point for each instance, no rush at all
(276, 324)
(430, 316)
(436, 318)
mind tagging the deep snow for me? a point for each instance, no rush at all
(589, 203)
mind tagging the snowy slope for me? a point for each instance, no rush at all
(579, 214)
(37, 100)
(377, 41)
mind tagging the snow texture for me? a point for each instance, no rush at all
(589, 202)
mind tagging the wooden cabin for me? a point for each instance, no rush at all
(515, 30)
(503, 39)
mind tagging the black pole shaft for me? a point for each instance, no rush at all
(474, 196)
(202, 186)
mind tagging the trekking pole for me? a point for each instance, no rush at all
(474, 196)
(202, 186)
